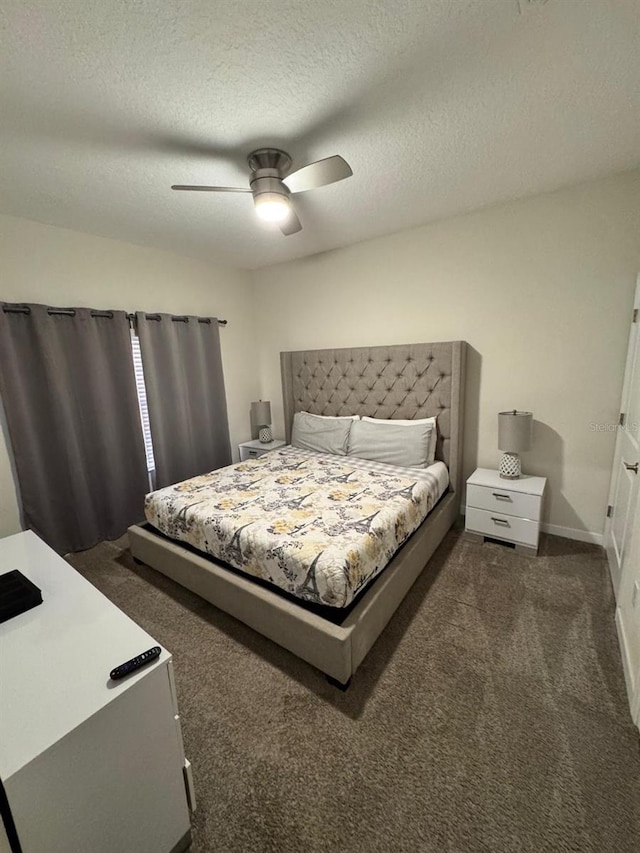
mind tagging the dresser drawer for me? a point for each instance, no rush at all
(502, 526)
(503, 501)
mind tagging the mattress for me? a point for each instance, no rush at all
(318, 526)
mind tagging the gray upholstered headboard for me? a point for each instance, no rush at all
(403, 381)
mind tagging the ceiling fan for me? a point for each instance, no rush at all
(272, 185)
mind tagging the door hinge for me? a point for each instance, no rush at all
(622, 418)
(609, 511)
(635, 315)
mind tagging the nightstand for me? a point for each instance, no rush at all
(508, 510)
(253, 449)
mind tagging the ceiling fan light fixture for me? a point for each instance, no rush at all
(272, 207)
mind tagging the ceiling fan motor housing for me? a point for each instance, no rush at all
(269, 186)
(268, 166)
(270, 158)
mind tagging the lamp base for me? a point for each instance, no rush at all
(510, 468)
(265, 435)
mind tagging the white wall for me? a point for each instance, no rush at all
(40, 263)
(540, 288)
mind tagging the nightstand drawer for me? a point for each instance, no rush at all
(504, 501)
(502, 526)
(254, 449)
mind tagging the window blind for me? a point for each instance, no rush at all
(142, 402)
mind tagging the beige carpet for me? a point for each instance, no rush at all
(490, 716)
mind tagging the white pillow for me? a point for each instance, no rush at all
(394, 443)
(333, 417)
(323, 434)
(434, 435)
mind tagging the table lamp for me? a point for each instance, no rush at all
(261, 417)
(514, 437)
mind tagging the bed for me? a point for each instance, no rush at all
(331, 622)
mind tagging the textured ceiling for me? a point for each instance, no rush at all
(440, 106)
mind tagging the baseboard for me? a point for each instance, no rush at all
(573, 533)
(629, 675)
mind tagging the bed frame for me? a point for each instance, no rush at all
(405, 381)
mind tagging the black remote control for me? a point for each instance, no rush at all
(135, 663)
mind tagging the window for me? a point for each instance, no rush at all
(142, 403)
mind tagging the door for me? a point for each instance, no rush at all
(628, 618)
(625, 477)
(622, 530)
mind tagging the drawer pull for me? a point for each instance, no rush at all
(253, 453)
(629, 467)
(501, 497)
(502, 521)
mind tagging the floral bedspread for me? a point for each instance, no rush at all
(318, 526)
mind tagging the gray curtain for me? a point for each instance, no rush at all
(185, 395)
(68, 388)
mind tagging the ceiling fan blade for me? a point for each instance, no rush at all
(291, 225)
(318, 174)
(210, 189)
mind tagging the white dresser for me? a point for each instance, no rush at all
(508, 510)
(88, 765)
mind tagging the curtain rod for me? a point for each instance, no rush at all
(71, 312)
(176, 319)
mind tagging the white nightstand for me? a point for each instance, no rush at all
(509, 510)
(253, 449)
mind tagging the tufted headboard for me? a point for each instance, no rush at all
(402, 381)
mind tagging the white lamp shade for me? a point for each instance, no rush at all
(261, 413)
(515, 431)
